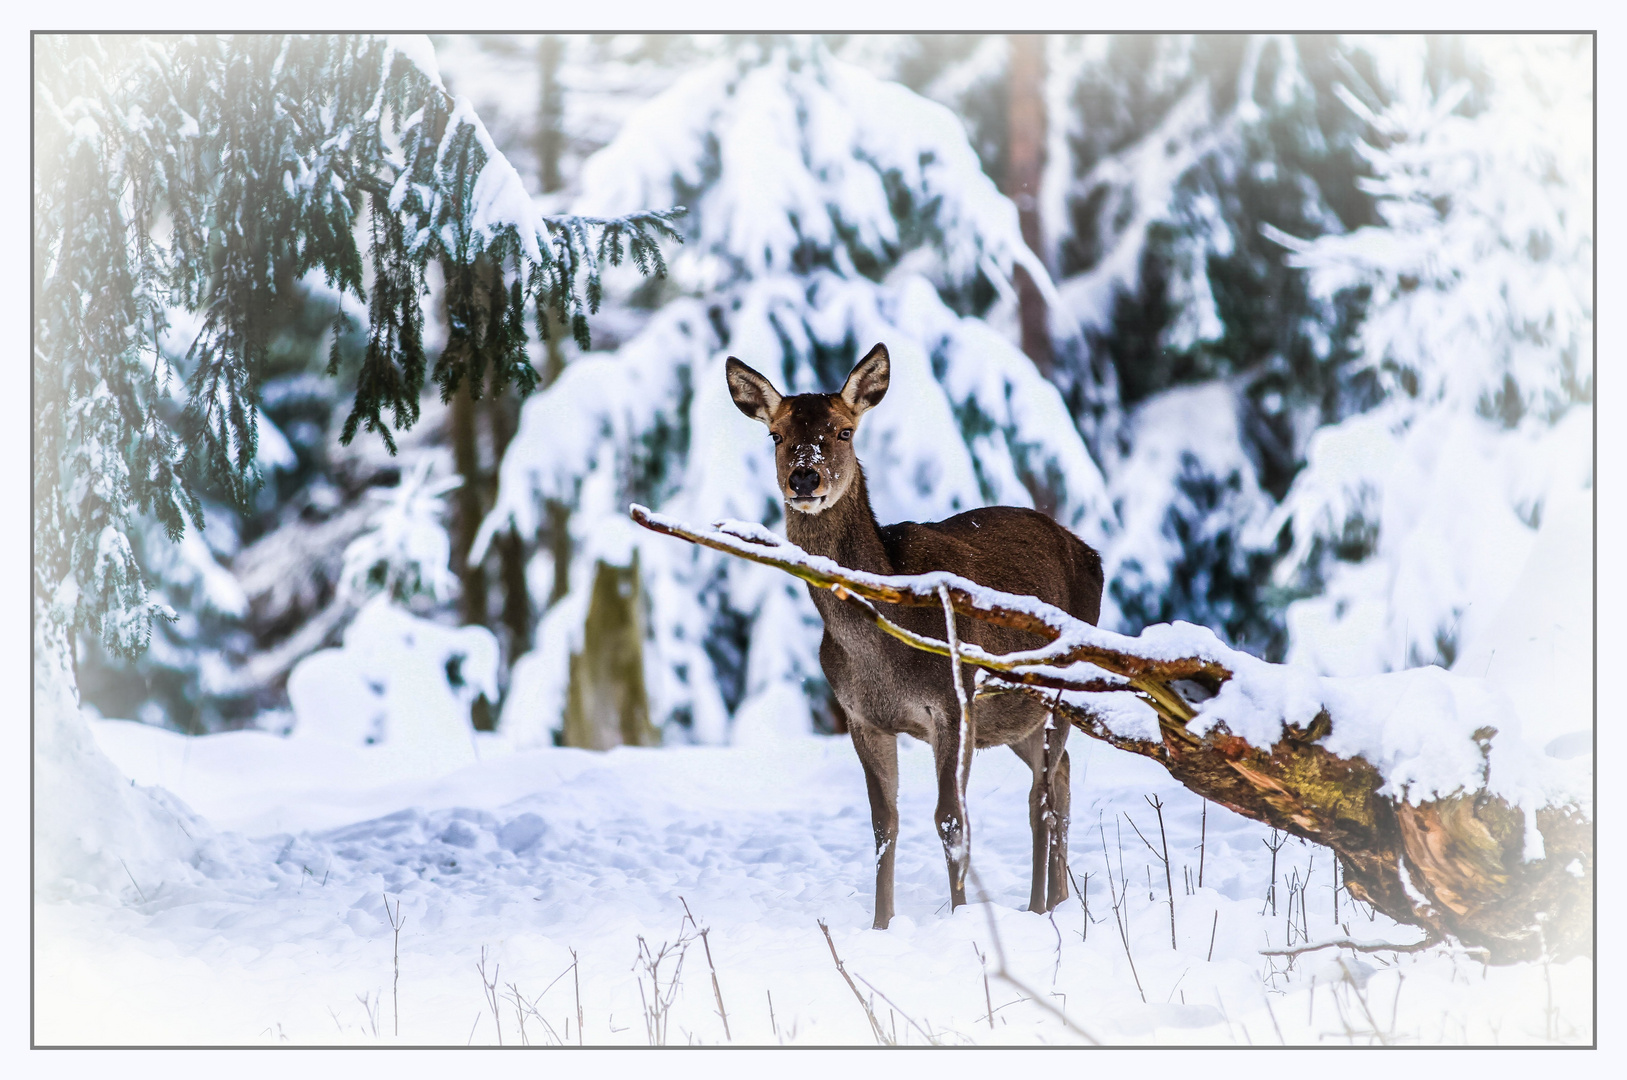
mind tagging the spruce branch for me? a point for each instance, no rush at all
(211, 174)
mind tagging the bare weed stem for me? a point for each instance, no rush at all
(870, 1014)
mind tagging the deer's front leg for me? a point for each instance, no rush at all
(953, 827)
(878, 753)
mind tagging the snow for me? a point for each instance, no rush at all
(419, 51)
(271, 449)
(532, 853)
(398, 680)
(1479, 329)
(1141, 182)
(405, 551)
(1446, 494)
(1538, 648)
(239, 881)
(538, 683)
(191, 561)
(800, 144)
(499, 200)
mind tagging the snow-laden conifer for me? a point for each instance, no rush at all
(209, 174)
(1180, 147)
(1413, 520)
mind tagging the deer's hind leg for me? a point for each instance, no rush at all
(878, 753)
(1048, 808)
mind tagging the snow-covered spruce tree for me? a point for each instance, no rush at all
(549, 101)
(210, 174)
(1182, 147)
(1012, 94)
(1450, 523)
(201, 672)
(829, 210)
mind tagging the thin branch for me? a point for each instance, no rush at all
(1169, 882)
(988, 999)
(576, 978)
(1118, 897)
(963, 767)
(396, 923)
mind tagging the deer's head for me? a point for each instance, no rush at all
(813, 433)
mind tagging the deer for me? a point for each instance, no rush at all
(886, 687)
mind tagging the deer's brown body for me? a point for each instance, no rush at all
(886, 687)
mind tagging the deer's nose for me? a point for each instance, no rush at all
(803, 481)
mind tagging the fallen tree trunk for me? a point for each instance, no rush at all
(1422, 833)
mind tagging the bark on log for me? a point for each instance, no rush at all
(1454, 866)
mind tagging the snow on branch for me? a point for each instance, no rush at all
(1189, 652)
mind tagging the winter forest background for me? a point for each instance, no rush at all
(1295, 330)
(1319, 371)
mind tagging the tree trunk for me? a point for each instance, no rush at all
(1025, 165)
(516, 614)
(606, 704)
(1453, 866)
(468, 506)
(550, 112)
(558, 529)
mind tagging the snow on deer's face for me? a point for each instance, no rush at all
(813, 433)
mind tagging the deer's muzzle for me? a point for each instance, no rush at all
(803, 481)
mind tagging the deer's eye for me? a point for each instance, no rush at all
(846, 434)
(777, 437)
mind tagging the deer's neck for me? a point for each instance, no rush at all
(846, 532)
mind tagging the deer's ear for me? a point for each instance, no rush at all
(753, 394)
(867, 383)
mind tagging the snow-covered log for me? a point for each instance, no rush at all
(1440, 815)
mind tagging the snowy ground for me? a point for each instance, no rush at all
(530, 855)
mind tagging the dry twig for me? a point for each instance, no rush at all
(1429, 941)
(1004, 973)
(491, 991)
(717, 991)
(870, 1014)
(396, 923)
